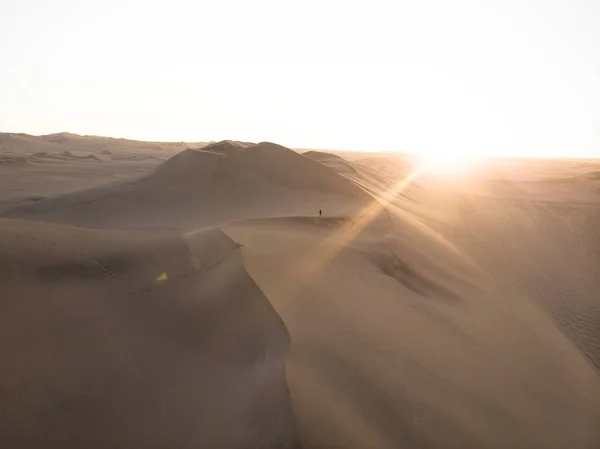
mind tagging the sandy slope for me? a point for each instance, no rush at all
(36, 167)
(548, 250)
(383, 357)
(205, 187)
(529, 226)
(25, 144)
(96, 354)
(418, 325)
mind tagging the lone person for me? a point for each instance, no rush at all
(320, 212)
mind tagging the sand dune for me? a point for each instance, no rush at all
(60, 142)
(97, 353)
(336, 162)
(52, 165)
(204, 187)
(548, 250)
(530, 225)
(203, 302)
(376, 362)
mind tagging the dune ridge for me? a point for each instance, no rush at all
(208, 186)
(111, 356)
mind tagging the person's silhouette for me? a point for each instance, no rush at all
(320, 212)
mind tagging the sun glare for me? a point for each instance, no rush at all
(446, 164)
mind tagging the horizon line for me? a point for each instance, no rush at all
(304, 148)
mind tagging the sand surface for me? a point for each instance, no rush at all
(33, 168)
(158, 295)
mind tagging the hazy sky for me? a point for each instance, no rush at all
(517, 77)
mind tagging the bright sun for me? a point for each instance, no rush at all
(444, 163)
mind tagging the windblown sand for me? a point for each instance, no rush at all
(157, 295)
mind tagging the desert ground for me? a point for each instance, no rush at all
(185, 295)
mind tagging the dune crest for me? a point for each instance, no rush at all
(209, 186)
(103, 352)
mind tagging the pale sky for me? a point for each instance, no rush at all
(481, 77)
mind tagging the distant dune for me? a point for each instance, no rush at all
(198, 298)
(59, 163)
(331, 160)
(58, 142)
(218, 183)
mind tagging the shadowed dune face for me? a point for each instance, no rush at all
(96, 352)
(210, 186)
